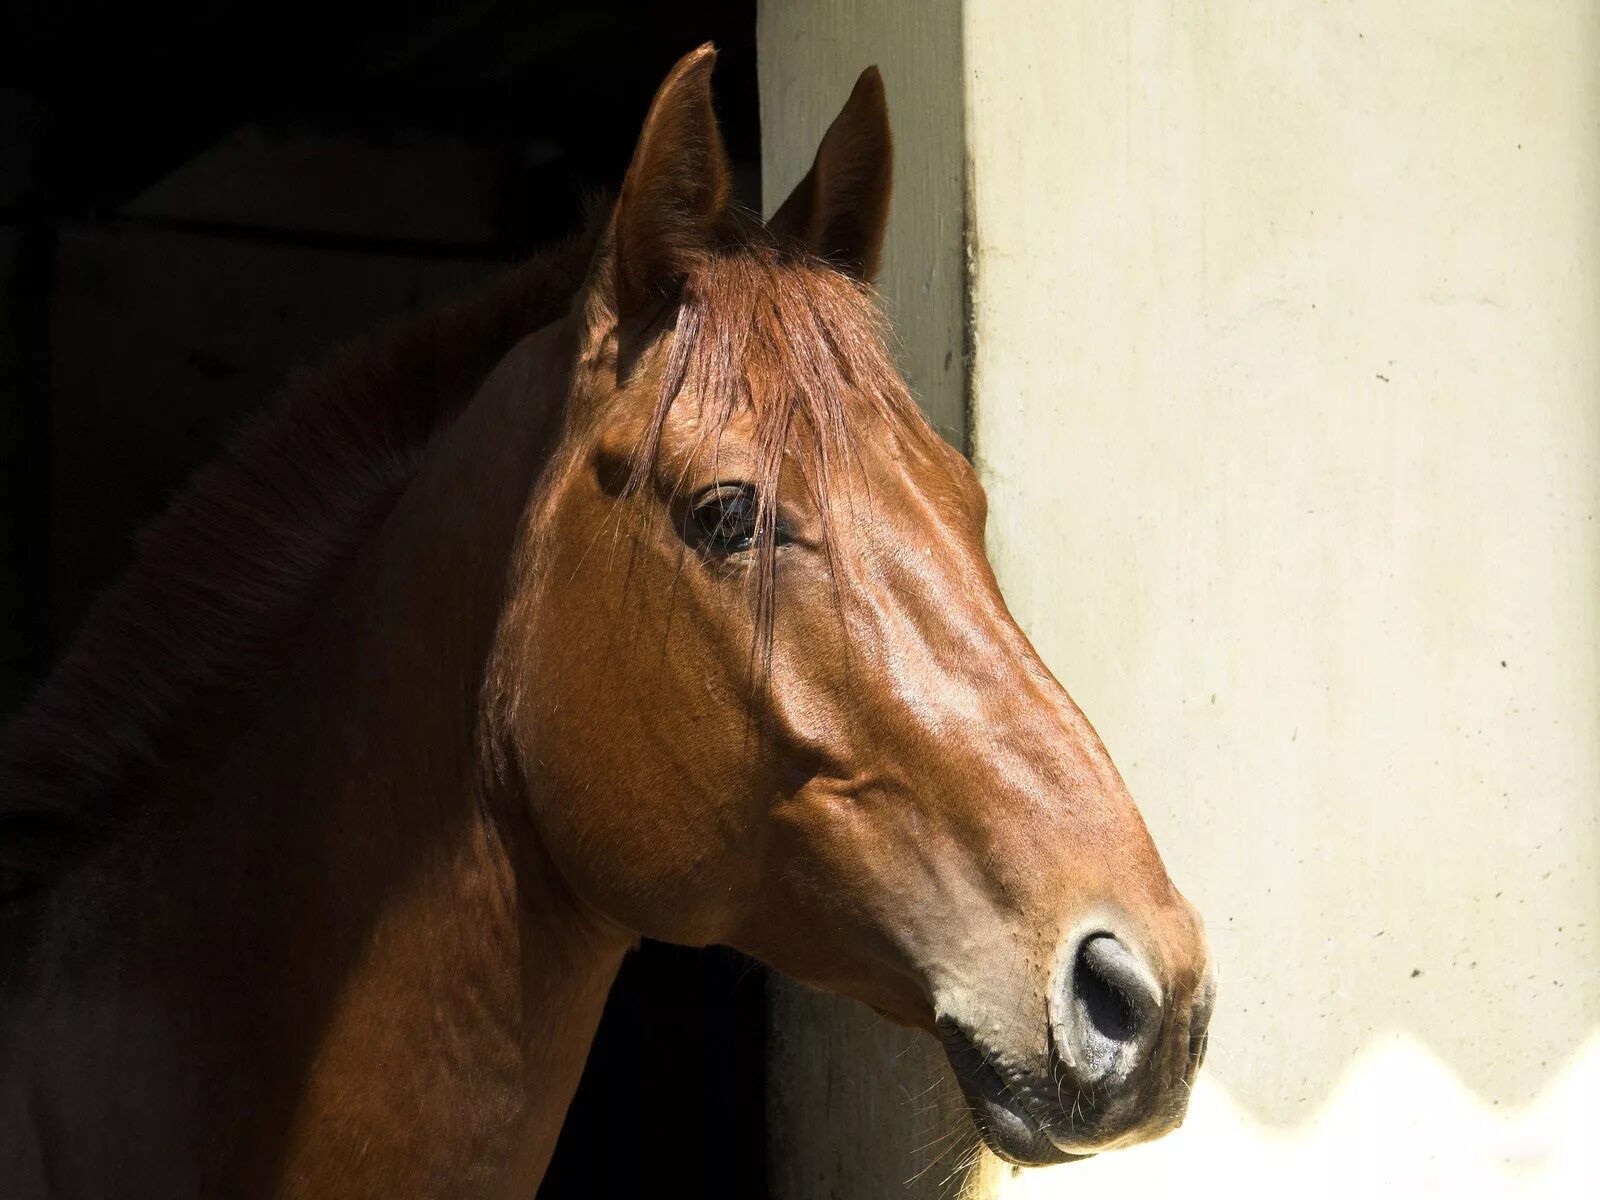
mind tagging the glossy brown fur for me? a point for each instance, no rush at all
(428, 700)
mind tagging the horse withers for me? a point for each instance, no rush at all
(632, 598)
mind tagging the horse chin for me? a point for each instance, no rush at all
(1015, 1137)
(1007, 1127)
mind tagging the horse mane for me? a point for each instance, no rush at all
(177, 649)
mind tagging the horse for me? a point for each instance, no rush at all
(634, 597)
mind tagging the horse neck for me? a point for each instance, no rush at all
(481, 946)
(354, 921)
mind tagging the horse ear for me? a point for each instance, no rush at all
(676, 190)
(841, 208)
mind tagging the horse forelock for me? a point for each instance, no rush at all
(801, 350)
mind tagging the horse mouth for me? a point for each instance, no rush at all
(1006, 1121)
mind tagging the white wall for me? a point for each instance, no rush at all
(1287, 398)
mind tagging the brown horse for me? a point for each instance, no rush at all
(634, 598)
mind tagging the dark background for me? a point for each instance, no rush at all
(194, 198)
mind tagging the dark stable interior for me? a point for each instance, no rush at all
(197, 197)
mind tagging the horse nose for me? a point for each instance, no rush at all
(1108, 1012)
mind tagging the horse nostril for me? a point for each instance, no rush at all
(1111, 1004)
(1109, 1013)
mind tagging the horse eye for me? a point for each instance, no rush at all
(724, 517)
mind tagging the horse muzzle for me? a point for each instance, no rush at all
(1122, 1053)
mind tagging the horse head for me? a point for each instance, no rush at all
(759, 686)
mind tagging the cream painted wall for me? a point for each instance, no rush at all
(1286, 394)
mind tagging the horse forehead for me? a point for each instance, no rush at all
(923, 477)
(694, 421)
